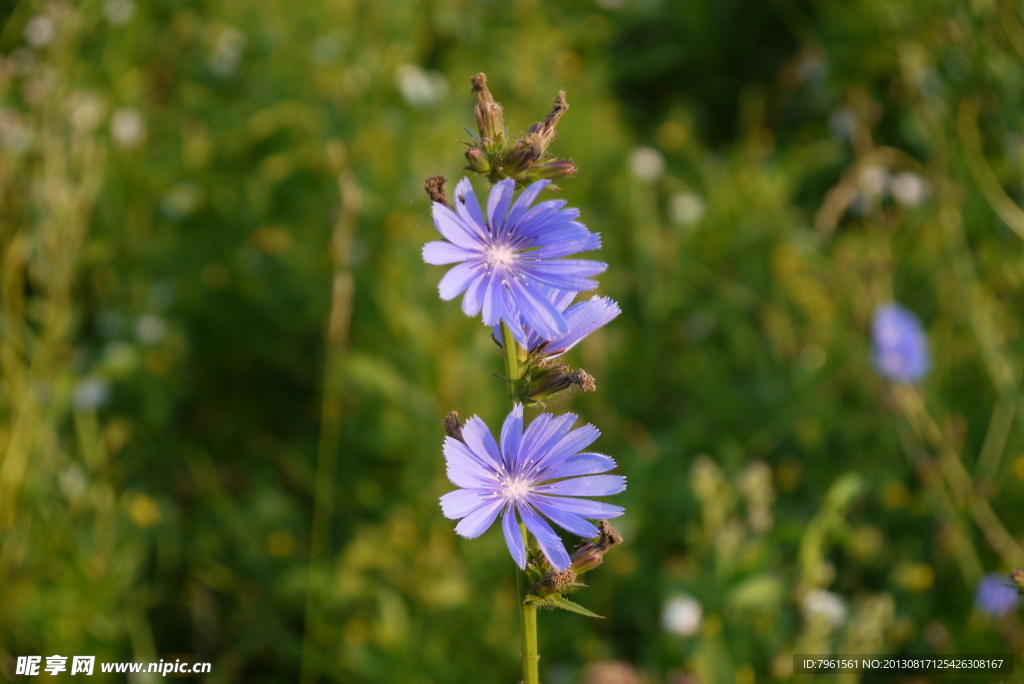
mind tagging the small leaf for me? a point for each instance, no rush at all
(566, 604)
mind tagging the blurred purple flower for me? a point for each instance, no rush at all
(521, 476)
(505, 260)
(995, 597)
(582, 318)
(900, 346)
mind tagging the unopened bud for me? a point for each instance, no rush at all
(545, 130)
(553, 582)
(489, 118)
(554, 170)
(589, 555)
(1017, 577)
(477, 160)
(523, 155)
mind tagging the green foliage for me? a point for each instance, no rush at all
(210, 282)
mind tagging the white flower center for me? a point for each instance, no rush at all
(502, 255)
(516, 489)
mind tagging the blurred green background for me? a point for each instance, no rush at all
(212, 303)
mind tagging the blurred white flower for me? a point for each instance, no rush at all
(91, 393)
(72, 481)
(227, 52)
(909, 189)
(127, 127)
(86, 110)
(39, 31)
(824, 606)
(686, 208)
(682, 615)
(181, 201)
(150, 329)
(646, 163)
(119, 12)
(874, 180)
(420, 88)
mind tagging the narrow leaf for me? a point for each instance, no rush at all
(566, 604)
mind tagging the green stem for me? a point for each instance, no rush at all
(528, 625)
(514, 356)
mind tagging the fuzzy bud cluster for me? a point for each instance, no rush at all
(495, 156)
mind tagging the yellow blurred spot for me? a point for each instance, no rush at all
(1018, 467)
(272, 240)
(569, 65)
(143, 511)
(356, 632)
(215, 276)
(621, 562)
(116, 435)
(745, 674)
(916, 577)
(788, 474)
(158, 362)
(712, 626)
(896, 495)
(672, 136)
(281, 544)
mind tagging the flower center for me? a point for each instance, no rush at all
(501, 255)
(516, 489)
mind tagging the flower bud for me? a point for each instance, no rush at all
(1017, 577)
(589, 555)
(544, 131)
(477, 160)
(553, 170)
(523, 155)
(489, 118)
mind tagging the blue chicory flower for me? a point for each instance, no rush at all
(995, 597)
(900, 346)
(533, 473)
(506, 258)
(582, 318)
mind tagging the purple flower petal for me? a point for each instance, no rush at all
(568, 521)
(522, 204)
(594, 510)
(549, 542)
(572, 443)
(454, 230)
(544, 431)
(498, 204)
(513, 537)
(440, 253)
(481, 442)
(468, 207)
(580, 464)
(477, 522)
(457, 279)
(462, 502)
(594, 485)
(511, 436)
(583, 318)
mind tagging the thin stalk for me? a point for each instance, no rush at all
(528, 622)
(514, 355)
